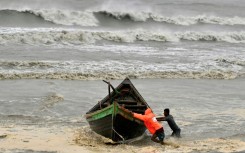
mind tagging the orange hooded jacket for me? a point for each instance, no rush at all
(149, 120)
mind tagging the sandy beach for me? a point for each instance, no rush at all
(31, 139)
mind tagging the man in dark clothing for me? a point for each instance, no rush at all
(169, 118)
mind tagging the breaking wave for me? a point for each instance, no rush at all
(25, 64)
(121, 75)
(92, 70)
(240, 62)
(89, 18)
(67, 17)
(61, 17)
(49, 36)
(112, 69)
(178, 20)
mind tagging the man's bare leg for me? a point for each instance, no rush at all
(154, 138)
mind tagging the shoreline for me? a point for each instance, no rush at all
(71, 140)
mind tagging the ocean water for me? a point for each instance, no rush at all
(188, 55)
(91, 40)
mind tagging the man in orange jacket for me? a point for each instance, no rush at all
(154, 127)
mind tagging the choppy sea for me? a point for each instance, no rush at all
(187, 55)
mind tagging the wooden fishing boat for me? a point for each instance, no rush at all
(109, 118)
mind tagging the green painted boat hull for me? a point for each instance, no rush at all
(116, 124)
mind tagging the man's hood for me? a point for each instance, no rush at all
(148, 111)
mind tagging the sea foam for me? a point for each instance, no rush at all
(51, 36)
(93, 70)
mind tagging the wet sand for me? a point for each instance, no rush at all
(39, 139)
(72, 140)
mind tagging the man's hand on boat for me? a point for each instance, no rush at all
(126, 110)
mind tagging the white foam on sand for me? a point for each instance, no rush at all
(86, 137)
(64, 140)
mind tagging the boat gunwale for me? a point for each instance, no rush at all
(90, 115)
(116, 109)
(125, 81)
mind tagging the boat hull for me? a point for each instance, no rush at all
(110, 117)
(116, 124)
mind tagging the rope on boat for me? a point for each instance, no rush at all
(100, 104)
(111, 100)
(118, 135)
(112, 127)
